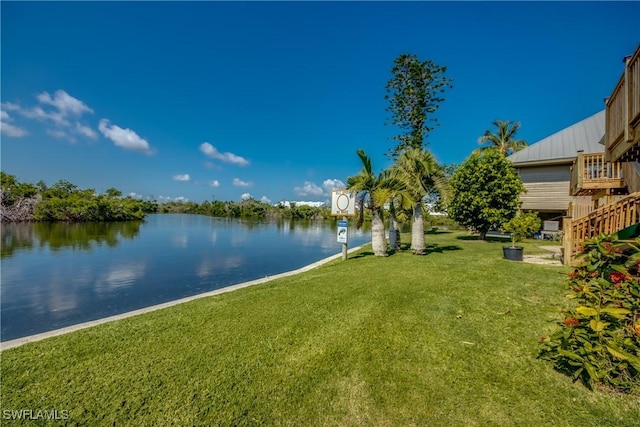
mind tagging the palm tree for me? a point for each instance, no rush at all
(420, 174)
(371, 192)
(399, 202)
(503, 140)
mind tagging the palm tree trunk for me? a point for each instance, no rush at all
(378, 239)
(394, 231)
(418, 246)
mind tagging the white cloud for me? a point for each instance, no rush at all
(86, 131)
(333, 184)
(11, 130)
(135, 195)
(7, 128)
(59, 134)
(38, 113)
(182, 177)
(10, 106)
(214, 183)
(211, 151)
(65, 103)
(265, 199)
(58, 109)
(309, 189)
(172, 199)
(246, 196)
(125, 138)
(240, 183)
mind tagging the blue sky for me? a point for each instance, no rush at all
(225, 99)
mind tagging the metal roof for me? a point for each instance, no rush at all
(562, 146)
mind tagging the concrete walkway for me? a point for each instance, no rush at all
(38, 337)
(551, 258)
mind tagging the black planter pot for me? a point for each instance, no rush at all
(513, 253)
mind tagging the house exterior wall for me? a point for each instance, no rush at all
(547, 188)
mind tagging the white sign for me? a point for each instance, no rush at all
(342, 231)
(343, 202)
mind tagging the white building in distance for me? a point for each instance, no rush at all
(287, 203)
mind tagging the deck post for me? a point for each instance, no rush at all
(567, 240)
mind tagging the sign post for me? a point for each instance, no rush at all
(343, 236)
(343, 204)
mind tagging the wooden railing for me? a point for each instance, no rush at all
(623, 111)
(579, 210)
(607, 219)
(591, 173)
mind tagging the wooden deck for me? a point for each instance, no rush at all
(622, 123)
(591, 173)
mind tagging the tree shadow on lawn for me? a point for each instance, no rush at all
(486, 239)
(436, 231)
(361, 255)
(435, 248)
(406, 247)
(430, 248)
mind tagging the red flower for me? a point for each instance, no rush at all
(543, 338)
(593, 274)
(617, 277)
(571, 321)
(574, 274)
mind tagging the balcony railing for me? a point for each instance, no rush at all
(578, 210)
(590, 173)
(622, 132)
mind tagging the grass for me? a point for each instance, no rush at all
(449, 338)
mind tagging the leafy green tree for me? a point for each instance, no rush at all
(61, 189)
(414, 94)
(503, 139)
(113, 192)
(420, 174)
(14, 190)
(485, 192)
(372, 192)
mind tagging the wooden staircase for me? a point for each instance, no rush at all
(608, 219)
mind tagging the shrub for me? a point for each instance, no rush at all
(522, 225)
(599, 337)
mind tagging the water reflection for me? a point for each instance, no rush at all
(56, 275)
(120, 276)
(61, 235)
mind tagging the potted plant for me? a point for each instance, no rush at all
(520, 226)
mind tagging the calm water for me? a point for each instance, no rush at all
(56, 275)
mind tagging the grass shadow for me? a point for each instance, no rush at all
(488, 239)
(361, 255)
(436, 231)
(467, 237)
(435, 248)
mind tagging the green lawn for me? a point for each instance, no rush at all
(447, 339)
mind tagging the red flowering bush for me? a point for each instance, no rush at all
(599, 337)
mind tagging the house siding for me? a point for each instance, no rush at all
(547, 188)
